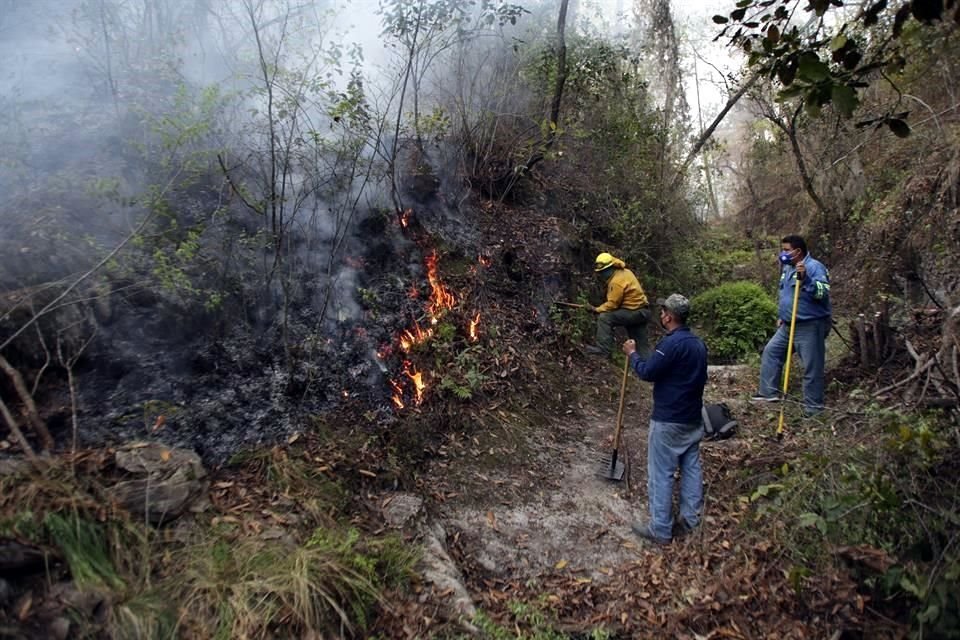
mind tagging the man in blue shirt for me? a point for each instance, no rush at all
(678, 370)
(812, 326)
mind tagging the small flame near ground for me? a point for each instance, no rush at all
(412, 337)
(441, 300)
(485, 260)
(405, 216)
(440, 297)
(397, 394)
(473, 328)
(419, 386)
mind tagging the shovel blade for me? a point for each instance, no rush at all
(613, 472)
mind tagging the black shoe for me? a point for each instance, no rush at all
(596, 350)
(642, 529)
(759, 397)
(681, 529)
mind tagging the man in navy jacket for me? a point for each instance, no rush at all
(798, 268)
(678, 370)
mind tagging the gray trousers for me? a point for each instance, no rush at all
(633, 320)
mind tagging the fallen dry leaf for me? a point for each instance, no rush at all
(560, 565)
(23, 606)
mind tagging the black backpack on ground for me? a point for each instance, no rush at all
(718, 423)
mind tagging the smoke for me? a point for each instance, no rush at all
(265, 146)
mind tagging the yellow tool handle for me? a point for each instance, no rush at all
(623, 394)
(786, 370)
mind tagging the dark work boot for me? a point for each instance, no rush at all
(642, 529)
(681, 528)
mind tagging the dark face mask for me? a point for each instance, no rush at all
(786, 257)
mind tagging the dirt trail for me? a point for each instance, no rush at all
(573, 520)
(537, 513)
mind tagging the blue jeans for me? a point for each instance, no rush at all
(671, 445)
(809, 341)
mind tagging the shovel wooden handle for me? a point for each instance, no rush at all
(570, 304)
(786, 368)
(623, 395)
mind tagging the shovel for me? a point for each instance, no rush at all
(613, 469)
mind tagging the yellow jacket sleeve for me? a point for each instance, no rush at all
(614, 295)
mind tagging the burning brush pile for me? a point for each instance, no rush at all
(437, 313)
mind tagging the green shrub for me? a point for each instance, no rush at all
(735, 319)
(865, 496)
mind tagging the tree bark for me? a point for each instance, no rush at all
(862, 341)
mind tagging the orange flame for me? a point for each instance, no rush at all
(411, 338)
(472, 329)
(440, 297)
(397, 397)
(405, 216)
(485, 260)
(419, 386)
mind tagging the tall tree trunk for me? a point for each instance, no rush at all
(708, 132)
(790, 129)
(707, 173)
(554, 122)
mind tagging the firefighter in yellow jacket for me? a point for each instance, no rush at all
(626, 306)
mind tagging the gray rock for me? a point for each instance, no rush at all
(401, 509)
(168, 483)
(439, 569)
(59, 628)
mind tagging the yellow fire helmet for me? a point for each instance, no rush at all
(603, 261)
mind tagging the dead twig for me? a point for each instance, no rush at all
(17, 433)
(30, 407)
(67, 364)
